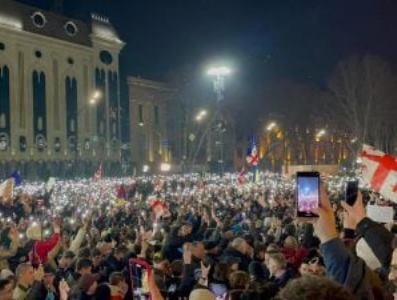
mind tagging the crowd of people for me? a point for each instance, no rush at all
(191, 237)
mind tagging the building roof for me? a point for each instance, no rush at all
(151, 84)
(18, 16)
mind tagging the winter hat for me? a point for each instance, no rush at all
(365, 252)
(201, 294)
(34, 232)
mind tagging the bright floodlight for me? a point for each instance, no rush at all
(321, 133)
(145, 168)
(201, 115)
(219, 71)
(165, 167)
(271, 126)
(97, 95)
(92, 101)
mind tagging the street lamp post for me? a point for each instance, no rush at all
(219, 73)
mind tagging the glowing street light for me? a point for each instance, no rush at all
(202, 114)
(271, 126)
(320, 134)
(95, 97)
(219, 71)
(145, 168)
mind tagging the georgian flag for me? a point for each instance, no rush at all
(159, 208)
(380, 171)
(252, 154)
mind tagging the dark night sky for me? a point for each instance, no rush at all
(265, 39)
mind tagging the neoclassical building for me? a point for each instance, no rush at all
(156, 124)
(59, 91)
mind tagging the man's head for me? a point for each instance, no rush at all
(6, 287)
(121, 252)
(66, 260)
(277, 262)
(314, 287)
(185, 229)
(49, 276)
(97, 257)
(198, 249)
(25, 274)
(84, 266)
(240, 245)
(118, 279)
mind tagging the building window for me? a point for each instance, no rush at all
(140, 115)
(70, 61)
(38, 54)
(71, 28)
(22, 144)
(106, 57)
(156, 116)
(57, 144)
(39, 19)
(2, 46)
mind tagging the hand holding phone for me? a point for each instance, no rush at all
(351, 192)
(307, 194)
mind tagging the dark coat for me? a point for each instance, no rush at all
(347, 269)
(231, 253)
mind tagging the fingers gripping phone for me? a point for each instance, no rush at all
(351, 192)
(307, 194)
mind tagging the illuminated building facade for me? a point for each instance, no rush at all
(280, 145)
(156, 118)
(50, 68)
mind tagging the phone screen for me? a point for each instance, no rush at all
(351, 192)
(139, 273)
(308, 193)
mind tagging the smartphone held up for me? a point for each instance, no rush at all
(351, 192)
(307, 194)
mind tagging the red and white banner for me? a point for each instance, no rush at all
(379, 169)
(159, 209)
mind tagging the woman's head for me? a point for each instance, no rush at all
(291, 242)
(277, 262)
(239, 280)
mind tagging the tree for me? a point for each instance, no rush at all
(361, 101)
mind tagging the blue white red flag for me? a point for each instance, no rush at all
(252, 153)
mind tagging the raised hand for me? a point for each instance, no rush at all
(354, 214)
(325, 225)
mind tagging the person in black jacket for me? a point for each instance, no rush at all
(116, 261)
(178, 236)
(238, 249)
(342, 266)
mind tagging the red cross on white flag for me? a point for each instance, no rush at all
(380, 171)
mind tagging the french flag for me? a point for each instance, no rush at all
(252, 153)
